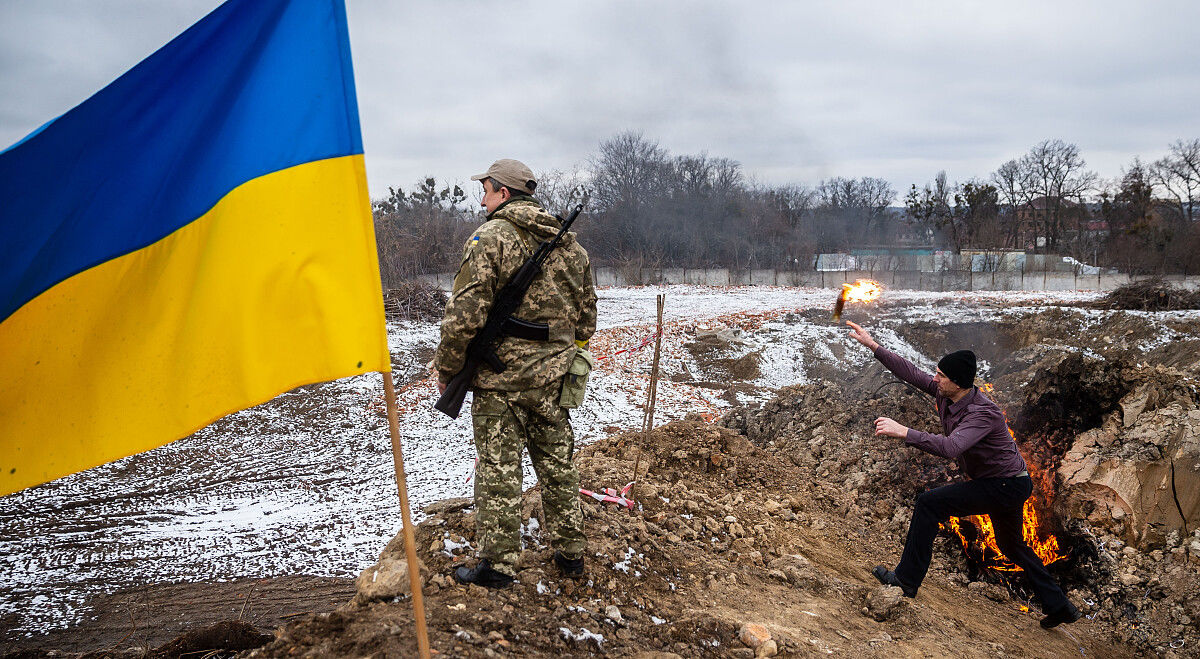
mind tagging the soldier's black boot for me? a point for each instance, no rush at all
(1061, 615)
(569, 567)
(482, 575)
(888, 578)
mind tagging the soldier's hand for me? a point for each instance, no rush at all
(441, 387)
(862, 336)
(889, 428)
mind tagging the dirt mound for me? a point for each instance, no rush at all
(827, 434)
(716, 354)
(415, 299)
(1118, 444)
(733, 546)
(1150, 295)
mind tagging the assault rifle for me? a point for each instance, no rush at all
(501, 323)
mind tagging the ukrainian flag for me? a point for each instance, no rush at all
(194, 239)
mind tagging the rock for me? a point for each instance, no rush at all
(614, 614)
(656, 655)
(1129, 579)
(996, 593)
(883, 602)
(386, 580)
(448, 506)
(1123, 468)
(767, 649)
(530, 576)
(789, 560)
(753, 635)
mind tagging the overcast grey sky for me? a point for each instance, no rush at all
(795, 91)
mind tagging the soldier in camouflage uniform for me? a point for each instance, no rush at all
(520, 407)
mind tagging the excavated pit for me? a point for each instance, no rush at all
(1106, 410)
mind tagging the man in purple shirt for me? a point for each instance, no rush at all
(977, 438)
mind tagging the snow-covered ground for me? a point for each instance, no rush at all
(304, 484)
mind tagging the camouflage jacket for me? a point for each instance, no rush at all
(562, 296)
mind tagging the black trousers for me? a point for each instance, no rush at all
(1001, 499)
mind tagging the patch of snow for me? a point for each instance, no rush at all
(583, 635)
(449, 546)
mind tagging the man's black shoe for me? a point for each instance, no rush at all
(482, 575)
(888, 578)
(1064, 614)
(569, 567)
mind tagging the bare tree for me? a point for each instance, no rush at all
(1054, 170)
(1013, 185)
(628, 171)
(857, 209)
(1137, 238)
(560, 190)
(1178, 173)
(977, 205)
(930, 207)
(422, 231)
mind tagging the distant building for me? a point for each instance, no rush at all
(1032, 220)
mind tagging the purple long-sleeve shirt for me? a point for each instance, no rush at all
(977, 434)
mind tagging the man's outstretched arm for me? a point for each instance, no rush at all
(901, 367)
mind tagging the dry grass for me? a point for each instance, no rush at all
(414, 299)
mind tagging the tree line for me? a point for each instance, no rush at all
(649, 208)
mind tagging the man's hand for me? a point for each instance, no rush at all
(862, 336)
(887, 427)
(434, 374)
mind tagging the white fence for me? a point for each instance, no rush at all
(947, 280)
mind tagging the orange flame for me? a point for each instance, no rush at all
(1046, 547)
(862, 290)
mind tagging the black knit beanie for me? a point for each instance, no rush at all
(959, 366)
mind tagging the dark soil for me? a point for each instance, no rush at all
(154, 616)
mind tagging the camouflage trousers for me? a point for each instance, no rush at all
(506, 422)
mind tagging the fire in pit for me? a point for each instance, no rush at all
(978, 537)
(979, 540)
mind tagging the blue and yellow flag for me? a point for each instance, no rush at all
(194, 239)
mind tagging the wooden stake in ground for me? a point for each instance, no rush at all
(410, 541)
(651, 395)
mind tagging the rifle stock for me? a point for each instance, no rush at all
(451, 400)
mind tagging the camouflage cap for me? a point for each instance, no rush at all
(510, 173)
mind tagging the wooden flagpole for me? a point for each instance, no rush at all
(651, 394)
(410, 541)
